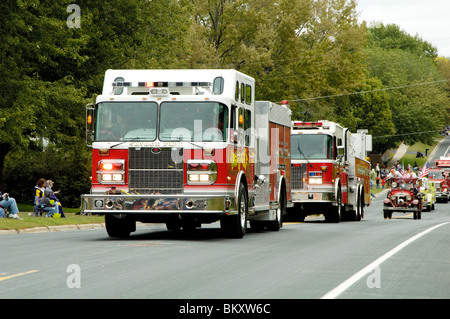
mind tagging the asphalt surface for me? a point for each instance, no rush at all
(302, 260)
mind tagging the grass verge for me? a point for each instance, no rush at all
(410, 156)
(30, 221)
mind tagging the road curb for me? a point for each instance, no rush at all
(43, 229)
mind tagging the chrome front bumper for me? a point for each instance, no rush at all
(313, 196)
(400, 209)
(161, 204)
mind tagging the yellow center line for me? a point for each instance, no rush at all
(17, 275)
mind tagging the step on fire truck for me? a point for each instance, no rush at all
(186, 147)
(330, 174)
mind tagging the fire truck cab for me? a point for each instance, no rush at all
(439, 175)
(330, 173)
(186, 147)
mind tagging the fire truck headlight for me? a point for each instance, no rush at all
(315, 177)
(111, 171)
(201, 172)
(117, 177)
(202, 178)
(106, 177)
(110, 178)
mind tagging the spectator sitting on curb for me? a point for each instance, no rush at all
(48, 204)
(48, 186)
(10, 202)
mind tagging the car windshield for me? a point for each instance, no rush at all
(122, 121)
(404, 183)
(436, 174)
(193, 121)
(311, 146)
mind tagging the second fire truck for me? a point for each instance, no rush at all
(186, 147)
(439, 175)
(330, 174)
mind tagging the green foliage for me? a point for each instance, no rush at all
(313, 53)
(370, 110)
(407, 66)
(68, 168)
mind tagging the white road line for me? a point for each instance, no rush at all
(350, 281)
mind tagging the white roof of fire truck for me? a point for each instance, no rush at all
(443, 162)
(359, 143)
(316, 127)
(165, 83)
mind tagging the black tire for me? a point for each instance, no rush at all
(359, 213)
(235, 226)
(355, 215)
(334, 214)
(119, 225)
(276, 224)
(174, 224)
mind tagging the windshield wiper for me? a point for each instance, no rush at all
(181, 140)
(304, 155)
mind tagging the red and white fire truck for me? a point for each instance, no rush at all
(330, 174)
(443, 163)
(186, 147)
(439, 175)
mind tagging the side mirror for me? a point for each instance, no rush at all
(90, 124)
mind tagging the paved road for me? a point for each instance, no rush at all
(442, 148)
(303, 260)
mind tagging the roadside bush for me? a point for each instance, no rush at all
(70, 170)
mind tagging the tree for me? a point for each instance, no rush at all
(444, 68)
(406, 67)
(371, 111)
(50, 71)
(36, 48)
(295, 49)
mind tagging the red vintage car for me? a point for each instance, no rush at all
(403, 197)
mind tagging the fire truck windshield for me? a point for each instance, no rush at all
(193, 121)
(311, 146)
(436, 174)
(117, 121)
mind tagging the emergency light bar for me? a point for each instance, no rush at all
(160, 84)
(307, 125)
(443, 163)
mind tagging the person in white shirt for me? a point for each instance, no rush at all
(410, 174)
(393, 173)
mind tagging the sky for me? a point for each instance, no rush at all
(430, 20)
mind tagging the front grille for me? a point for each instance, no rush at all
(155, 170)
(297, 175)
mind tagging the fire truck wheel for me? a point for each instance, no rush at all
(235, 226)
(360, 206)
(334, 213)
(276, 224)
(173, 224)
(119, 225)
